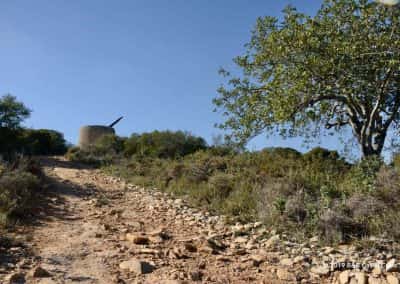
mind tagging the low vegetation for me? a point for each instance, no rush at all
(313, 193)
(19, 185)
(20, 175)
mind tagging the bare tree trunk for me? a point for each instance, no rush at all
(372, 144)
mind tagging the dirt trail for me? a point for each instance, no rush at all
(94, 224)
(68, 242)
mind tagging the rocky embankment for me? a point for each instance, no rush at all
(98, 229)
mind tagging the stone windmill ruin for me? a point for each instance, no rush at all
(88, 135)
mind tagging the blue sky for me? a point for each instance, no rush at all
(154, 62)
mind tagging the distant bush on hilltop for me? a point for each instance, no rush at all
(108, 149)
(43, 142)
(163, 144)
(31, 142)
(154, 145)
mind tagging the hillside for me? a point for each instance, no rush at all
(94, 228)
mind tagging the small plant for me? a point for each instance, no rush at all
(222, 185)
(279, 205)
(362, 176)
(295, 209)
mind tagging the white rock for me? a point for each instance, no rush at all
(320, 270)
(137, 266)
(257, 225)
(392, 266)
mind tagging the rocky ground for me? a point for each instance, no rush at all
(93, 228)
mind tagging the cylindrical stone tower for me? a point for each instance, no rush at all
(88, 135)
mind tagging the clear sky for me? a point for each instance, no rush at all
(155, 62)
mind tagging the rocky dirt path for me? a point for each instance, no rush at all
(98, 229)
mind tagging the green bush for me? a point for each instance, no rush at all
(43, 142)
(31, 142)
(163, 144)
(105, 151)
(87, 156)
(222, 185)
(10, 142)
(109, 145)
(396, 161)
(362, 176)
(19, 183)
(240, 204)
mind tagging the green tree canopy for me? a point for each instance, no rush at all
(303, 75)
(43, 142)
(12, 112)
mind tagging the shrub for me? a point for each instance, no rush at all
(75, 154)
(31, 142)
(174, 172)
(321, 154)
(10, 142)
(396, 161)
(16, 191)
(19, 182)
(241, 204)
(43, 142)
(337, 226)
(271, 201)
(283, 153)
(109, 145)
(131, 145)
(362, 176)
(222, 185)
(202, 164)
(295, 208)
(106, 150)
(164, 144)
(387, 186)
(363, 207)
